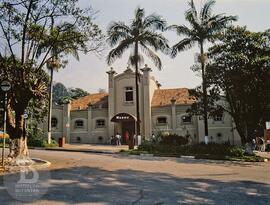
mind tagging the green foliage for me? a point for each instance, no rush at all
(204, 26)
(197, 149)
(59, 91)
(62, 95)
(239, 68)
(76, 93)
(36, 33)
(36, 138)
(173, 139)
(141, 33)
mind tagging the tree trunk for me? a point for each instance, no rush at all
(138, 127)
(19, 153)
(204, 87)
(50, 109)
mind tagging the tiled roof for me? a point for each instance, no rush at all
(97, 99)
(163, 97)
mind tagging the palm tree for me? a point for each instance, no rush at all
(55, 63)
(52, 65)
(204, 27)
(140, 34)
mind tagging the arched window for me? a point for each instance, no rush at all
(54, 122)
(79, 123)
(100, 123)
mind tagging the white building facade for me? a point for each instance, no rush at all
(97, 117)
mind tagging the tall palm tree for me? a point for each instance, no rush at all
(204, 27)
(140, 34)
(55, 62)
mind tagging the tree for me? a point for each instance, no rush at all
(62, 95)
(32, 29)
(205, 27)
(59, 91)
(240, 68)
(140, 34)
(76, 93)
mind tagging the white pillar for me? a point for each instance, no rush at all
(111, 101)
(89, 121)
(147, 122)
(66, 121)
(173, 107)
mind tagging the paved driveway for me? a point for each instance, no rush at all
(85, 178)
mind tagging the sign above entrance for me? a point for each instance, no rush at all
(121, 117)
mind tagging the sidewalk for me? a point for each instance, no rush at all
(94, 148)
(263, 154)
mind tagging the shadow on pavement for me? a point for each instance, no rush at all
(94, 185)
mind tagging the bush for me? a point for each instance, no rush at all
(36, 139)
(220, 150)
(173, 139)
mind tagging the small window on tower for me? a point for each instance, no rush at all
(129, 94)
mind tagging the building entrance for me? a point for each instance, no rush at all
(126, 127)
(128, 130)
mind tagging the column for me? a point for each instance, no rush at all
(66, 121)
(173, 109)
(147, 122)
(111, 101)
(89, 121)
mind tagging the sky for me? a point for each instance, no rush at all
(89, 73)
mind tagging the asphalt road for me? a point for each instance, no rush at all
(85, 178)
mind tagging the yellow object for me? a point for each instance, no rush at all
(3, 135)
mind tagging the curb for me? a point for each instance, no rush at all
(84, 151)
(45, 165)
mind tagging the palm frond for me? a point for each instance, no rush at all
(191, 14)
(154, 22)
(119, 50)
(206, 11)
(155, 40)
(116, 32)
(149, 53)
(182, 45)
(219, 22)
(118, 26)
(180, 30)
(139, 14)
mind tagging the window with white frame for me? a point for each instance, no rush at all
(218, 117)
(161, 120)
(186, 119)
(129, 94)
(79, 124)
(54, 122)
(100, 123)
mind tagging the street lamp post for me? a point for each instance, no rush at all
(5, 87)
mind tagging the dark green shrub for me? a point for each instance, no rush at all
(220, 150)
(173, 139)
(36, 139)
